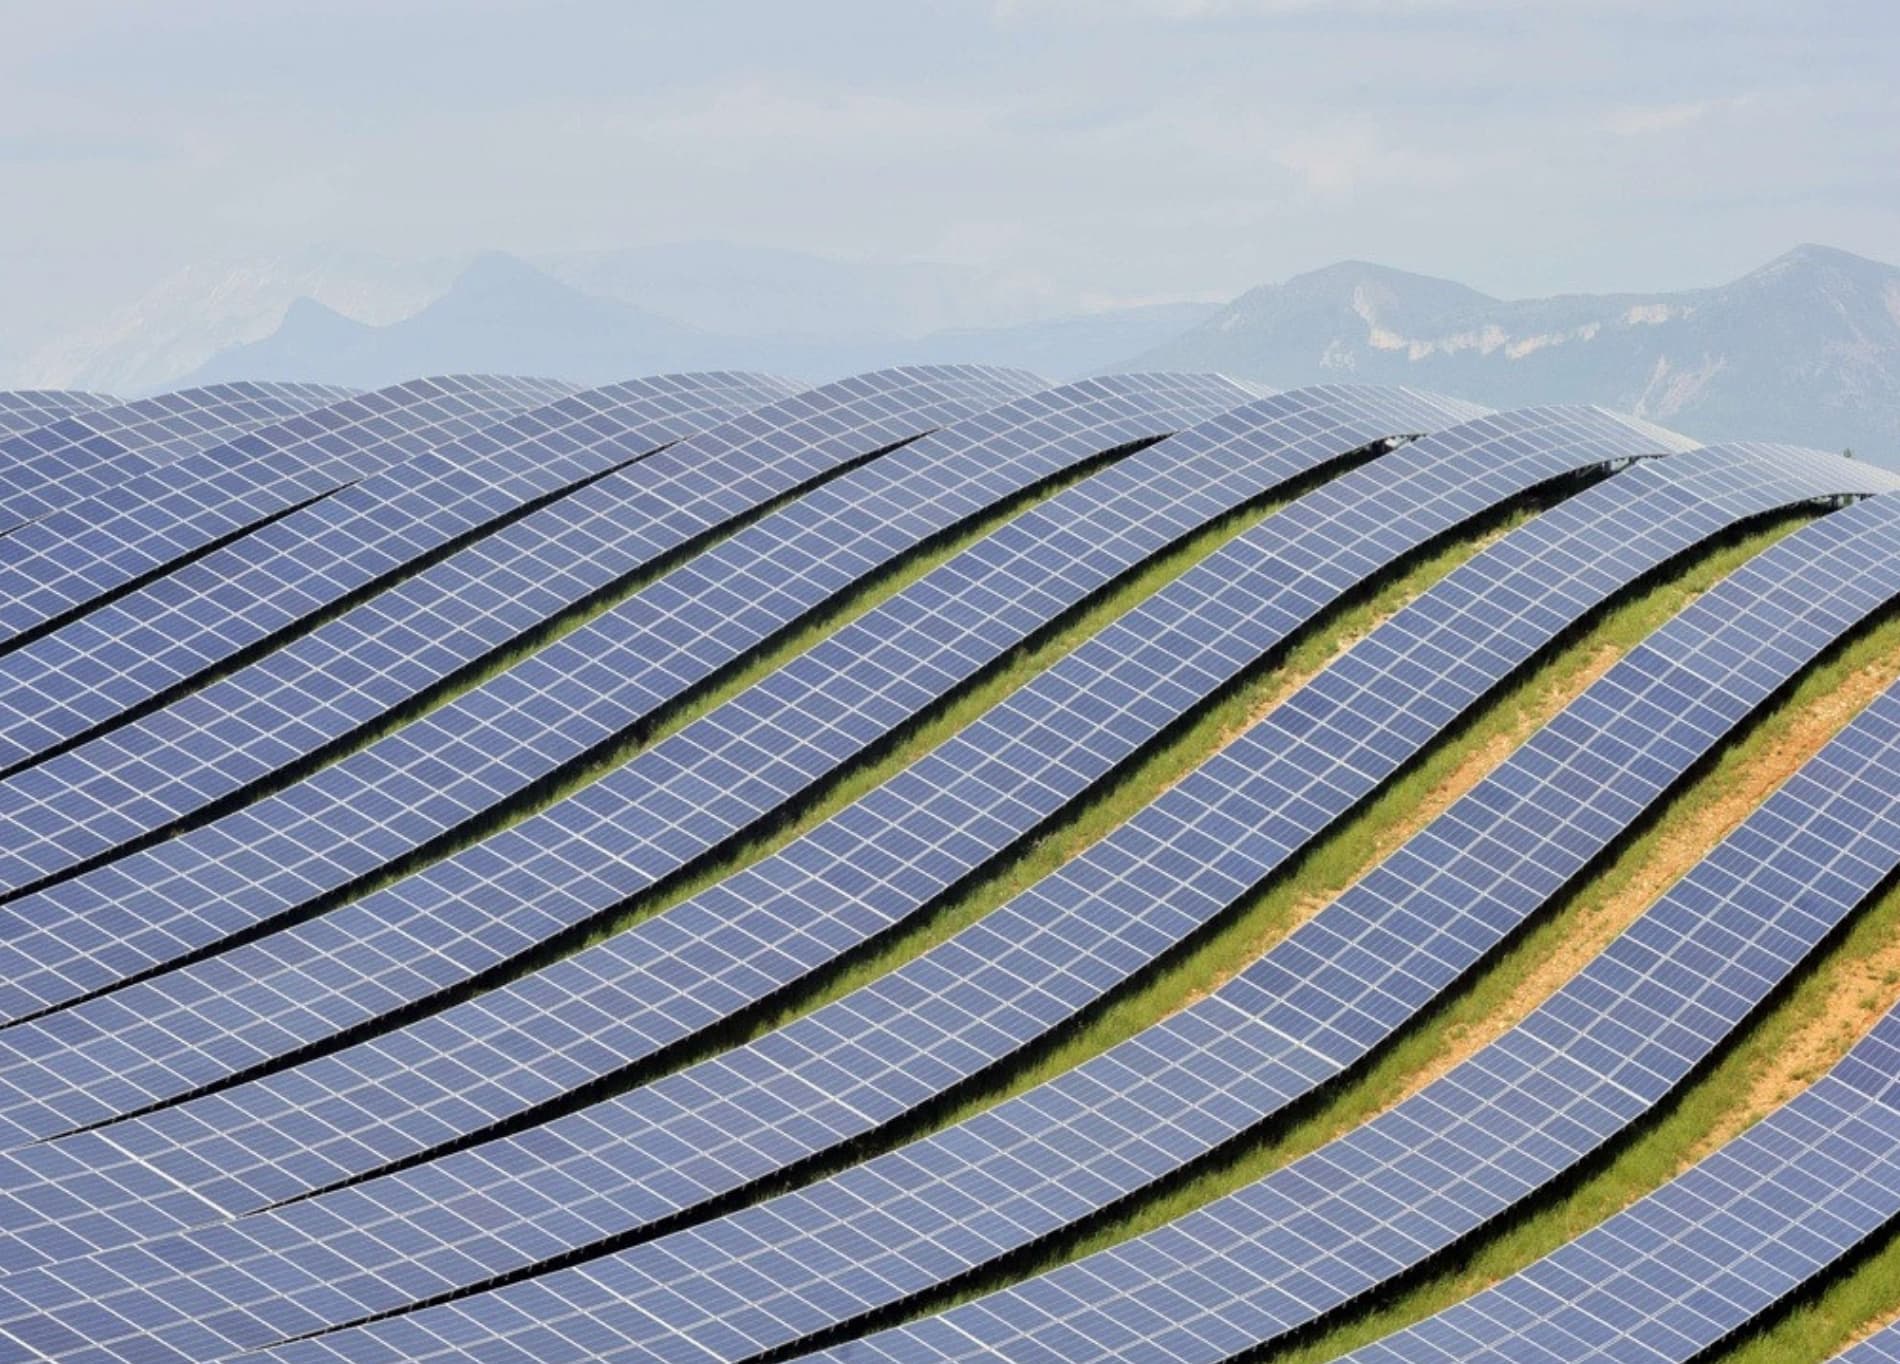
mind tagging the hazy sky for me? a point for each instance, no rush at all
(1115, 148)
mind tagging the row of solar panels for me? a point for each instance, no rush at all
(1317, 549)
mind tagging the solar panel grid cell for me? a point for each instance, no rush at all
(1024, 729)
(83, 454)
(432, 785)
(385, 651)
(769, 1275)
(1256, 1264)
(124, 654)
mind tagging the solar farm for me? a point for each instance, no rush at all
(941, 866)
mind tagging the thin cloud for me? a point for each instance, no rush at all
(1638, 121)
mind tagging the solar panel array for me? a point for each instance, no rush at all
(24, 409)
(771, 1274)
(813, 547)
(259, 1094)
(198, 616)
(1702, 1256)
(82, 454)
(145, 878)
(617, 668)
(909, 648)
(655, 1153)
(90, 546)
(389, 650)
(1250, 1267)
(661, 980)
(1271, 429)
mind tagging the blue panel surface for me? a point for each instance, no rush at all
(586, 689)
(393, 796)
(122, 655)
(769, 1275)
(751, 1112)
(387, 651)
(91, 546)
(610, 1138)
(1032, 749)
(27, 409)
(86, 452)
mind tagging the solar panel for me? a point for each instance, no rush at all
(627, 1162)
(24, 409)
(487, 745)
(393, 648)
(85, 453)
(90, 547)
(1244, 454)
(1674, 1273)
(767, 1276)
(123, 655)
(1883, 1347)
(1246, 1269)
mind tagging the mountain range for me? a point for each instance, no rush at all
(503, 314)
(1804, 349)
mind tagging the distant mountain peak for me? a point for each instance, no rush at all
(1810, 266)
(500, 270)
(1813, 253)
(195, 312)
(1806, 348)
(304, 311)
(1357, 273)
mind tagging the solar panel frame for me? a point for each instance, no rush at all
(766, 1276)
(87, 548)
(120, 656)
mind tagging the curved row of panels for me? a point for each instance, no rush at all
(302, 1049)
